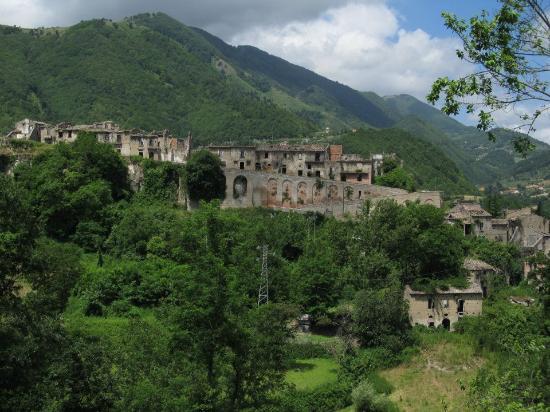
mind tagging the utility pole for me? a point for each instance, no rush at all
(263, 292)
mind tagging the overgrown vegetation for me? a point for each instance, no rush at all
(132, 303)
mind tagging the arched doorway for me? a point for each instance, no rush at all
(446, 323)
(240, 187)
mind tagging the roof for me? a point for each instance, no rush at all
(472, 264)
(285, 147)
(499, 222)
(512, 214)
(473, 288)
(467, 210)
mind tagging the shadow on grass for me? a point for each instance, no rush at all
(301, 366)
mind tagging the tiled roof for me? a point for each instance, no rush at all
(476, 264)
(467, 210)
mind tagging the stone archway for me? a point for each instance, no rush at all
(271, 192)
(302, 194)
(240, 187)
(317, 193)
(287, 193)
(446, 323)
(348, 193)
(333, 192)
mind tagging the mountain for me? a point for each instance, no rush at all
(153, 72)
(430, 167)
(134, 75)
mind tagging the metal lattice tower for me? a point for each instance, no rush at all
(263, 292)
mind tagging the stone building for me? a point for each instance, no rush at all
(128, 142)
(471, 216)
(445, 307)
(307, 160)
(248, 188)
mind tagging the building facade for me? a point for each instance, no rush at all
(160, 146)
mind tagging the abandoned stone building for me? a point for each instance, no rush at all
(305, 177)
(307, 160)
(311, 194)
(445, 307)
(522, 227)
(128, 142)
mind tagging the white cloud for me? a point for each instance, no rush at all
(363, 46)
(511, 119)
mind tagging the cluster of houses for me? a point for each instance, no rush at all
(522, 227)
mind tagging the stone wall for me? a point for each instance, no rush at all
(255, 189)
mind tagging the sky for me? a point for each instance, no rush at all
(385, 46)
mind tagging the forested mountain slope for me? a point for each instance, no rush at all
(153, 72)
(430, 167)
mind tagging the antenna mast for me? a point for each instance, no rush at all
(263, 292)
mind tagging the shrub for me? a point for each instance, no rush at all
(366, 399)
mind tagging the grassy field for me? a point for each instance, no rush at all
(307, 374)
(437, 378)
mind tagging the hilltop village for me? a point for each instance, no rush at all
(305, 177)
(322, 178)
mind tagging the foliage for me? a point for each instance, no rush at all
(381, 319)
(366, 399)
(71, 186)
(507, 46)
(205, 179)
(397, 177)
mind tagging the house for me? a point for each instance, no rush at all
(307, 160)
(483, 274)
(471, 216)
(444, 307)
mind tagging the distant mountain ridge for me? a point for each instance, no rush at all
(153, 72)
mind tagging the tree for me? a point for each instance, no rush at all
(381, 318)
(204, 177)
(511, 50)
(397, 177)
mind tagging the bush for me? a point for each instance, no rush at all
(329, 397)
(366, 399)
(306, 350)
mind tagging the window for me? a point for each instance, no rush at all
(140, 153)
(317, 157)
(266, 155)
(258, 166)
(241, 166)
(318, 173)
(300, 172)
(359, 177)
(343, 177)
(119, 138)
(299, 156)
(285, 155)
(283, 170)
(431, 303)
(308, 167)
(360, 194)
(460, 307)
(242, 154)
(445, 303)
(248, 163)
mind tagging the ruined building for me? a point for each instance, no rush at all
(128, 142)
(303, 177)
(444, 307)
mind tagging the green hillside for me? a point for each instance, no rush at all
(153, 72)
(134, 75)
(481, 160)
(431, 168)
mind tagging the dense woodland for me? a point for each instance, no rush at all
(114, 300)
